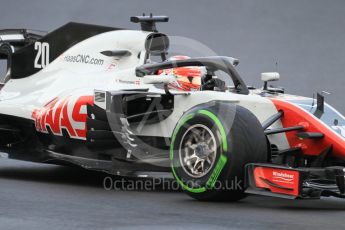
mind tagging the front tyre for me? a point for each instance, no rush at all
(210, 147)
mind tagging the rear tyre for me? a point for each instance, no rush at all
(210, 147)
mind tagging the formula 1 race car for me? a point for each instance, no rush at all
(97, 97)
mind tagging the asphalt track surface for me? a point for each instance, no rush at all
(34, 196)
(306, 38)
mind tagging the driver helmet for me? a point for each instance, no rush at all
(187, 78)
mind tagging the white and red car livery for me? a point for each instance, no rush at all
(93, 96)
(68, 113)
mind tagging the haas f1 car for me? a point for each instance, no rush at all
(113, 100)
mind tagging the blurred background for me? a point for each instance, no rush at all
(301, 39)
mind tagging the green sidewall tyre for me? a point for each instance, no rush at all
(240, 140)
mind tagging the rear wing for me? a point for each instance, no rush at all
(13, 39)
(20, 36)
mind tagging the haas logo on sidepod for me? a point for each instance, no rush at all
(68, 113)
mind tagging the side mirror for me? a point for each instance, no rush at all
(158, 79)
(269, 76)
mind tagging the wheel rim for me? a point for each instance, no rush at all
(198, 150)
